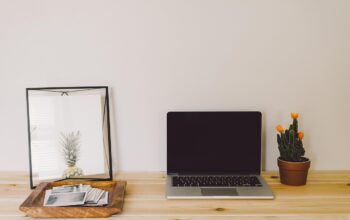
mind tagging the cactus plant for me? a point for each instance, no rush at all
(290, 143)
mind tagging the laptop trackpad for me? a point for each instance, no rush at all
(219, 192)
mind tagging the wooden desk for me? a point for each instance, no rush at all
(327, 196)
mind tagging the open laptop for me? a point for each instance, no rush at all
(215, 155)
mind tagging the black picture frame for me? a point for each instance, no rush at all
(107, 115)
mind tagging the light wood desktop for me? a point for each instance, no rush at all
(326, 196)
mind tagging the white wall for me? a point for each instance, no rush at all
(160, 55)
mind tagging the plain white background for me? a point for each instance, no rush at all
(160, 55)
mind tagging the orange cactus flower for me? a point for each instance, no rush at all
(294, 115)
(280, 129)
(301, 135)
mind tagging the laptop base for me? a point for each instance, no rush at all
(194, 192)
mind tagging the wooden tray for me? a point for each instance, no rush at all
(33, 205)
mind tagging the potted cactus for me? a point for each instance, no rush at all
(293, 166)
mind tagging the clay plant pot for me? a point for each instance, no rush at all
(293, 173)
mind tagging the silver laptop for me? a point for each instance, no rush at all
(215, 155)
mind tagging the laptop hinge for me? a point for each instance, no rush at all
(177, 174)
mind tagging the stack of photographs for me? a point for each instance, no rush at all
(75, 195)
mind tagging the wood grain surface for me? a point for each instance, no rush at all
(326, 196)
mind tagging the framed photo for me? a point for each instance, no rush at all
(69, 133)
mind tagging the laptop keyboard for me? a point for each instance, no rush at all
(228, 181)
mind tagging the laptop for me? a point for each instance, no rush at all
(215, 155)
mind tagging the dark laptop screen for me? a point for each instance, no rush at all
(214, 142)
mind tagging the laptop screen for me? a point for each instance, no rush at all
(214, 142)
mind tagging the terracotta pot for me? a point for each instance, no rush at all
(293, 173)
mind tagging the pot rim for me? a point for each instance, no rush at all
(284, 161)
